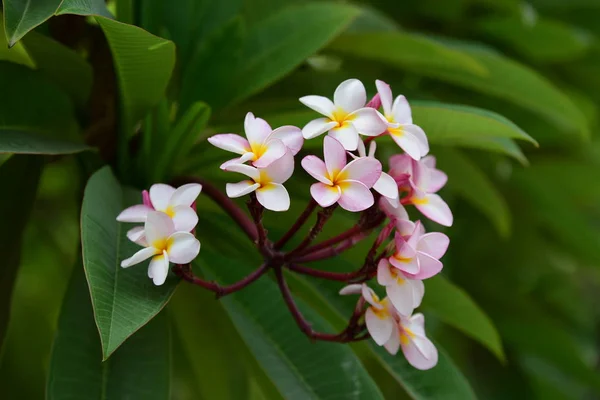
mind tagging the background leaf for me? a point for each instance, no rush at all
(22, 16)
(31, 143)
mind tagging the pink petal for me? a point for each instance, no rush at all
(393, 345)
(434, 208)
(183, 248)
(400, 294)
(401, 110)
(355, 196)
(355, 288)
(429, 161)
(240, 189)
(230, 142)
(282, 169)
(159, 226)
(146, 199)
(291, 136)
(247, 170)
(138, 236)
(135, 213)
(370, 297)
(350, 95)
(420, 137)
(416, 324)
(401, 164)
(369, 122)
(275, 150)
(375, 102)
(320, 104)
(240, 160)
(317, 127)
(185, 195)
(184, 218)
(159, 269)
(316, 168)
(435, 244)
(384, 276)
(415, 236)
(335, 156)
(379, 325)
(139, 257)
(387, 187)
(397, 213)
(415, 353)
(407, 142)
(437, 180)
(274, 197)
(405, 227)
(257, 129)
(346, 135)
(160, 195)
(428, 266)
(403, 248)
(407, 265)
(418, 292)
(385, 93)
(366, 170)
(325, 195)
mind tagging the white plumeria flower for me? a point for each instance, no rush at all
(346, 117)
(263, 144)
(267, 182)
(379, 317)
(346, 184)
(409, 333)
(405, 294)
(385, 185)
(410, 137)
(176, 203)
(163, 244)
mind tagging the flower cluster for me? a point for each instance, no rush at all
(403, 254)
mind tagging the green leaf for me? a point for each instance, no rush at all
(456, 308)
(299, 368)
(140, 369)
(467, 180)
(19, 177)
(406, 50)
(30, 143)
(22, 16)
(84, 7)
(124, 300)
(16, 54)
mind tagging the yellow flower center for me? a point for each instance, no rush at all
(258, 150)
(341, 117)
(169, 211)
(162, 245)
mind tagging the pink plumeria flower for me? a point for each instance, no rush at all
(380, 315)
(410, 137)
(405, 294)
(263, 144)
(346, 184)
(398, 215)
(266, 182)
(418, 256)
(176, 203)
(423, 180)
(385, 185)
(409, 333)
(346, 117)
(163, 244)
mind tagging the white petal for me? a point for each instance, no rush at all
(140, 256)
(407, 142)
(428, 266)
(325, 195)
(184, 218)
(257, 129)
(401, 295)
(401, 110)
(350, 95)
(370, 297)
(369, 122)
(415, 353)
(420, 137)
(355, 288)
(317, 127)
(241, 188)
(398, 212)
(434, 208)
(435, 244)
(160, 196)
(379, 325)
(386, 186)
(384, 276)
(159, 226)
(185, 195)
(135, 213)
(291, 136)
(240, 160)
(416, 324)
(138, 236)
(159, 269)
(335, 156)
(366, 170)
(316, 168)
(230, 142)
(437, 180)
(282, 169)
(393, 345)
(183, 247)
(385, 94)
(275, 150)
(274, 197)
(346, 135)
(418, 292)
(407, 265)
(247, 170)
(355, 196)
(320, 104)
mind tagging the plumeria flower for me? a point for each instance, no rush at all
(176, 203)
(346, 117)
(263, 144)
(346, 184)
(379, 317)
(405, 294)
(163, 244)
(422, 180)
(398, 215)
(409, 333)
(385, 185)
(398, 115)
(266, 182)
(418, 256)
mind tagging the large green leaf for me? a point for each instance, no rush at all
(123, 300)
(30, 143)
(468, 181)
(19, 178)
(299, 368)
(456, 308)
(140, 369)
(83, 7)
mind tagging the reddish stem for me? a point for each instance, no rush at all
(310, 207)
(322, 217)
(256, 211)
(356, 229)
(332, 276)
(331, 251)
